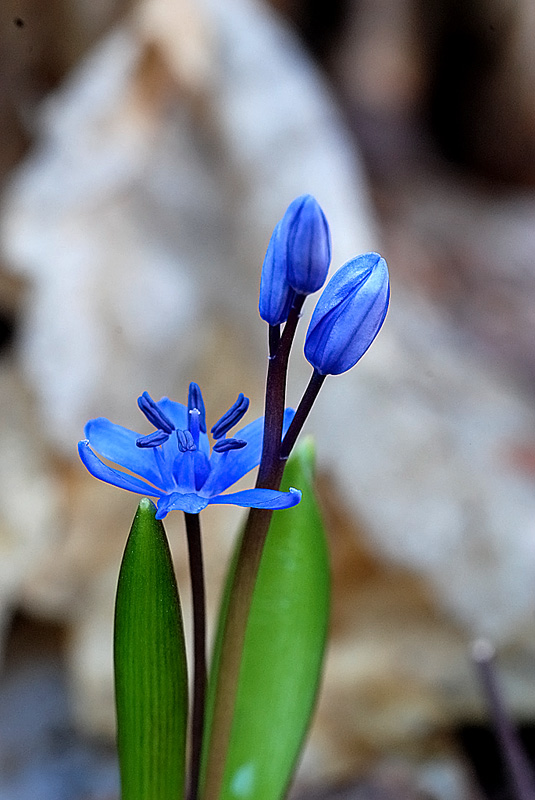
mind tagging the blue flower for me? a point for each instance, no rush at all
(297, 259)
(348, 315)
(174, 463)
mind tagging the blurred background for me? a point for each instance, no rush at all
(147, 150)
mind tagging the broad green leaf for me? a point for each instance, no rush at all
(284, 646)
(151, 689)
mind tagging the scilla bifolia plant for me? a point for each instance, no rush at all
(249, 720)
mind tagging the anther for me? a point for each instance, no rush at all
(228, 444)
(231, 417)
(185, 441)
(154, 414)
(154, 439)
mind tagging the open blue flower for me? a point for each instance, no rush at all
(174, 463)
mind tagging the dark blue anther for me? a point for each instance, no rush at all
(185, 441)
(231, 417)
(154, 415)
(195, 401)
(154, 439)
(228, 444)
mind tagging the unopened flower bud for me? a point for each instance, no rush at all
(308, 244)
(276, 294)
(297, 258)
(348, 315)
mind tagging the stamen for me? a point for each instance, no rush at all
(185, 442)
(228, 444)
(230, 417)
(202, 469)
(190, 470)
(194, 424)
(153, 439)
(154, 415)
(195, 400)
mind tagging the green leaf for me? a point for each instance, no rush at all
(284, 646)
(151, 688)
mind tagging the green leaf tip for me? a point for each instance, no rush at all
(150, 666)
(146, 504)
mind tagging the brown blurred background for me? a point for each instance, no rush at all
(414, 122)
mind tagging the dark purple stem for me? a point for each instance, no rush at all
(249, 557)
(271, 466)
(193, 531)
(274, 339)
(303, 410)
(518, 766)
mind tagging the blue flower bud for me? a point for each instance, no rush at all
(276, 294)
(297, 258)
(348, 315)
(308, 244)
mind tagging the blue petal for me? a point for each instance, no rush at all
(177, 412)
(190, 503)
(227, 468)
(276, 294)
(103, 472)
(260, 498)
(190, 471)
(118, 444)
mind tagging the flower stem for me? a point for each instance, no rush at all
(270, 470)
(274, 339)
(249, 557)
(193, 532)
(303, 410)
(232, 646)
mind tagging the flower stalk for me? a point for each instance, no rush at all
(252, 545)
(271, 468)
(196, 569)
(348, 316)
(250, 554)
(303, 410)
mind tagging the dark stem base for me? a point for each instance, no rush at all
(193, 531)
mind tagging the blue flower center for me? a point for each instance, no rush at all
(186, 467)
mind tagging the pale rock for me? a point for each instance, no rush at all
(141, 217)
(426, 457)
(32, 502)
(140, 222)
